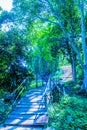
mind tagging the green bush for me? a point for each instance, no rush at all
(1, 93)
(69, 114)
(33, 84)
(79, 72)
(76, 86)
(68, 83)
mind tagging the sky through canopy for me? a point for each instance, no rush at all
(6, 4)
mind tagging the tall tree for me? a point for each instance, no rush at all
(84, 44)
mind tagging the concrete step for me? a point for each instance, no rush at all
(30, 106)
(27, 122)
(31, 103)
(27, 116)
(28, 112)
(18, 109)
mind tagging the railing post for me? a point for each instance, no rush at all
(45, 98)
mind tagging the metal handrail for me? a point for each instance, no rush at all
(17, 97)
(20, 89)
(14, 96)
(51, 81)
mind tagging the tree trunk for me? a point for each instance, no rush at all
(72, 59)
(84, 47)
(36, 80)
(74, 67)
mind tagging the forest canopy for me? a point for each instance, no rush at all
(43, 32)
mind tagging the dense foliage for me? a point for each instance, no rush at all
(69, 113)
(43, 32)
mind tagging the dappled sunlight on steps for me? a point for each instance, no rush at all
(30, 110)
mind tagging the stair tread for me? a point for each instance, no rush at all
(26, 122)
(29, 112)
(29, 109)
(27, 116)
(30, 106)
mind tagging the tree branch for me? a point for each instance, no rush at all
(67, 35)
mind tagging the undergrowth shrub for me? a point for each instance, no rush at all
(69, 114)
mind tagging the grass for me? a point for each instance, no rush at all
(69, 114)
(33, 84)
